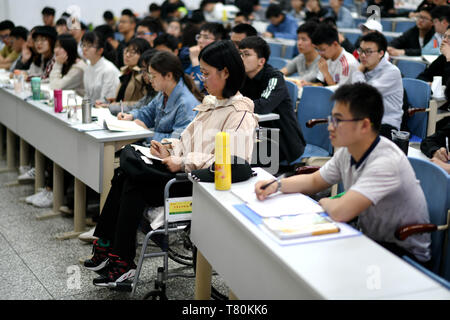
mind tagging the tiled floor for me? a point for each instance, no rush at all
(35, 265)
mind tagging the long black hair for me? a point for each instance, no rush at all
(69, 44)
(144, 62)
(165, 62)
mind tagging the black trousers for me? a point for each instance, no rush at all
(124, 207)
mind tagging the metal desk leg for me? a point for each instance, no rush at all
(39, 164)
(2, 137)
(202, 278)
(108, 171)
(79, 219)
(58, 193)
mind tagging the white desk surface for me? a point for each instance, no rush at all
(267, 117)
(256, 267)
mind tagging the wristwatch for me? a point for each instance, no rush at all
(279, 184)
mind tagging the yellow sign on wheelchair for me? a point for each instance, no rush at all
(180, 209)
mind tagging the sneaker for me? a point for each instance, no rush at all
(44, 200)
(23, 169)
(66, 210)
(99, 259)
(88, 236)
(31, 198)
(119, 271)
(28, 176)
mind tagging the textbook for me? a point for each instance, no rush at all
(298, 226)
(121, 125)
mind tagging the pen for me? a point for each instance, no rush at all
(446, 144)
(276, 180)
(338, 195)
(163, 143)
(121, 107)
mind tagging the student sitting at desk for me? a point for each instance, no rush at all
(172, 109)
(44, 38)
(436, 146)
(412, 41)
(441, 21)
(225, 109)
(281, 25)
(380, 184)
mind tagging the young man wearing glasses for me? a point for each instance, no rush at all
(380, 184)
(384, 76)
(412, 41)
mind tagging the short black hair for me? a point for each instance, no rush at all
(258, 44)
(19, 32)
(129, 13)
(376, 37)
(139, 44)
(216, 29)
(105, 31)
(47, 11)
(108, 15)
(441, 13)
(273, 10)
(308, 28)
(167, 40)
(6, 25)
(243, 14)
(154, 7)
(151, 24)
(325, 34)
(248, 29)
(61, 22)
(223, 54)
(364, 101)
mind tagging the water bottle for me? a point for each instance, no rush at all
(86, 110)
(222, 170)
(18, 81)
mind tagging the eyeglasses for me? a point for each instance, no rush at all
(144, 33)
(204, 36)
(419, 17)
(366, 52)
(245, 54)
(335, 121)
(40, 40)
(321, 50)
(129, 52)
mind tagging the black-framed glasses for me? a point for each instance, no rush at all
(366, 52)
(335, 121)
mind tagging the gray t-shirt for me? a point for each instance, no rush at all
(298, 64)
(384, 176)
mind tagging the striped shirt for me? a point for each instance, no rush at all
(341, 69)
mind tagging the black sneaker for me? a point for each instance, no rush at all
(118, 271)
(100, 258)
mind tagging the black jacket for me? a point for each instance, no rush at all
(409, 41)
(439, 67)
(436, 141)
(270, 95)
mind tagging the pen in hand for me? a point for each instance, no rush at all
(268, 184)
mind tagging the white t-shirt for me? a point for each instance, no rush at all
(341, 69)
(384, 176)
(101, 80)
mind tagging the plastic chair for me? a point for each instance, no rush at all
(410, 69)
(293, 93)
(277, 62)
(315, 103)
(435, 185)
(387, 25)
(418, 94)
(288, 52)
(402, 26)
(275, 49)
(352, 37)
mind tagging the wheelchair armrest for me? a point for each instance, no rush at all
(311, 123)
(404, 232)
(413, 111)
(306, 169)
(182, 176)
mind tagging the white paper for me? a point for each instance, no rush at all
(145, 151)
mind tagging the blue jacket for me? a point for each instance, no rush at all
(286, 29)
(169, 122)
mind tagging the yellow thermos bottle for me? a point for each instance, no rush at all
(222, 174)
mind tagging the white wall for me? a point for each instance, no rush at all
(27, 13)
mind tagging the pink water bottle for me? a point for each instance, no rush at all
(57, 98)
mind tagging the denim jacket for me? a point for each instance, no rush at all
(171, 120)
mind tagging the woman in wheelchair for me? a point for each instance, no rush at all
(137, 185)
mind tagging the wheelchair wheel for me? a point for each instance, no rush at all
(155, 295)
(180, 248)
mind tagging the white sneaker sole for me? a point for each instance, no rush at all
(99, 267)
(126, 276)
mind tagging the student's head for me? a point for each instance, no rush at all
(222, 69)
(77, 30)
(371, 49)
(189, 34)
(6, 27)
(210, 32)
(424, 21)
(326, 41)
(208, 5)
(446, 37)
(67, 44)
(174, 28)
(61, 26)
(18, 37)
(356, 114)
(336, 3)
(441, 18)
(93, 45)
(48, 16)
(370, 25)
(133, 51)
(241, 17)
(166, 42)
(148, 29)
(155, 11)
(313, 5)
(44, 38)
(108, 17)
(304, 36)
(274, 14)
(127, 22)
(242, 31)
(254, 52)
(144, 64)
